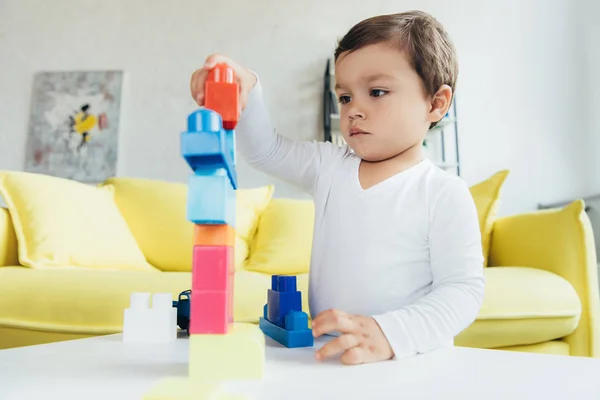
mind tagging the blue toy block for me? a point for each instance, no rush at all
(296, 321)
(283, 318)
(206, 146)
(211, 199)
(288, 338)
(230, 144)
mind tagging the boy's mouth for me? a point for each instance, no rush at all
(354, 131)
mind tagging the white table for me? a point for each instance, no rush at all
(107, 368)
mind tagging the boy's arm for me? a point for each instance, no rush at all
(297, 162)
(458, 282)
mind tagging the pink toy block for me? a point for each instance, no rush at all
(209, 313)
(212, 268)
(230, 293)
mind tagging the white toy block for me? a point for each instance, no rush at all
(142, 323)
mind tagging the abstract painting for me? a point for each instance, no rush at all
(74, 125)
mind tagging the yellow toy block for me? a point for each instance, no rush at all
(237, 355)
(175, 388)
(180, 389)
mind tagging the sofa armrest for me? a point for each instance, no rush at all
(8, 240)
(559, 241)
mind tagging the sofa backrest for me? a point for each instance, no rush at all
(155, 212)
(8, 240)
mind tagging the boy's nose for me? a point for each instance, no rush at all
(356, 113)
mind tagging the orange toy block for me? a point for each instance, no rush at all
(221, 94)
(214, 235)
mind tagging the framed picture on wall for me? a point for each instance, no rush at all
(74, 125)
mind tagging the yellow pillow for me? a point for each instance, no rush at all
(63, 223)
(156, 214)
(486, 195)
(283, 240)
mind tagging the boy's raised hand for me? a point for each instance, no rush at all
(245, 78)
(361, 339)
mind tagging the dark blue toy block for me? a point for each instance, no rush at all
(211, 199)
(283, 318)
(288, 338)
(281, 303)
(282, 283)
(207, 147)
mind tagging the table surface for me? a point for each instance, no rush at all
(107, 368)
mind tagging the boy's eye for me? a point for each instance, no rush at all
(344, 99)
(378, 92)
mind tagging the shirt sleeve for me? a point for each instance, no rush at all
(296, 162)
(458, 282)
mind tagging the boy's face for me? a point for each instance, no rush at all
(380, 94)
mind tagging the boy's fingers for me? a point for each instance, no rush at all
(332, 322)
(215, 59)
(338, 345)
(197, 86)
(353, 356)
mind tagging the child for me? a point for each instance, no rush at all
(396, 264)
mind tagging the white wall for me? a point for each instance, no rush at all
(591, 40)
(520, 86)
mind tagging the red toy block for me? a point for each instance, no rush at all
(212, 268)
(221, 94)
(209, 312)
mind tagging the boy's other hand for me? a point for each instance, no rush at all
(361, 339)
(245, 78)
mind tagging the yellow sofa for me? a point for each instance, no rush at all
(541, 278)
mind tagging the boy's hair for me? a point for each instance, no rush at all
(423, 39)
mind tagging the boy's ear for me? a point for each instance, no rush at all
(440, 103)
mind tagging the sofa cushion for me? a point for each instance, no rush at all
(8, 240)
(486, 195)
(522, 306)
(156, 214)
(81, 302)
(63, 223)
(283, 240)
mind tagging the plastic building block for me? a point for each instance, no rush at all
(210, 312)
(212, 268)
(214, 235)
(183, 309)
(142, 323)
(211, 200)
(230, 144)
(283, 319)
(221, 94)
(207, 147)
(238, 355)
(176, 388)
(289, 338)
(282, 298)
(179, 388)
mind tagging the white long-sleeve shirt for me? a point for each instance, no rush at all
(406, 251)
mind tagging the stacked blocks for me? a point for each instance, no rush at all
(207, 148)
(283, 319)
(219, 348)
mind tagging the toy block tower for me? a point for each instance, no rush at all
(283, 319)
(219, 348)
